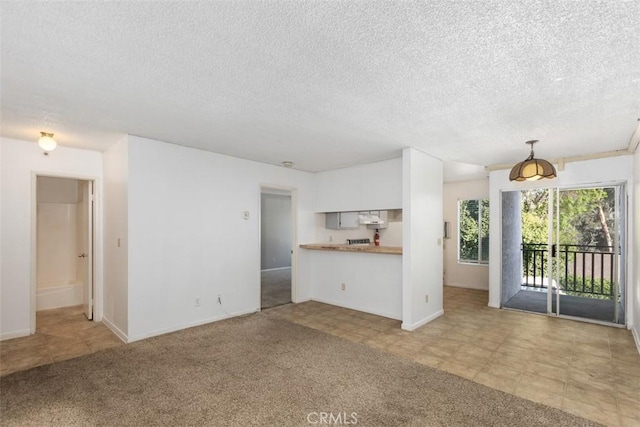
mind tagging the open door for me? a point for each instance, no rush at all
(85, 245)
(276, 241)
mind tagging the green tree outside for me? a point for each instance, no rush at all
(474, 230)
(586, 219)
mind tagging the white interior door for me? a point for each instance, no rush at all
(85, 247)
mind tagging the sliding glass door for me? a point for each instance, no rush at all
(585, 252)
(563, 252)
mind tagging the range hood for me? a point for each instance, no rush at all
(370, 219)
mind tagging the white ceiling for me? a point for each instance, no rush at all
(326, 84)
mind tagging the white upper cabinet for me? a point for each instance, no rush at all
(342, 220)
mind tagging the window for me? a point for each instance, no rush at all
(473, 227)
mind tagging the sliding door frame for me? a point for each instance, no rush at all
(619, 241)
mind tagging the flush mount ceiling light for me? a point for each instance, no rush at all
(287, 164)
(532, 169)
(46, 142)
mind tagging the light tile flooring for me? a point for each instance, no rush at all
(61, 334)
(589, 370)
(585, 369)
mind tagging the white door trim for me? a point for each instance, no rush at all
(97, 243)
(293, 192)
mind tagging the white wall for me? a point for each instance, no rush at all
(455, 273)
(634, 296)
(56, 227)
(188, 237)
(116, 238)
(374, 186)
(57, 190)
(422, 238)
(20, 161)
(373, 282)
(56, 245)
(591, 172)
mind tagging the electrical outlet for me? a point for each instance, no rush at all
(343, 286)
(197, 304)
(426, 298)
(220, 299)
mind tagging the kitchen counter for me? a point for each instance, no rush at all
(349, 276)
(394, 250)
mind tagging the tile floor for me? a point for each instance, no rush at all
(61, 334)
(585, 369)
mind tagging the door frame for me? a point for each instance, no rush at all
(96, 266)
(623, 222)
(87, 191)
(293, 193)
(619, 240)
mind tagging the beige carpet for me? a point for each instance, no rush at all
(256, 370)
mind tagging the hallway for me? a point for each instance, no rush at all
(61, 334)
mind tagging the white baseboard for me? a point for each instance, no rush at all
(422, 322)
(352, 307)
(468, 286)
(636, 337)
(113, 328)
(276, 269)
(191, 324)
(15, 334)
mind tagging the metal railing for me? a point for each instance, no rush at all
(584, 269)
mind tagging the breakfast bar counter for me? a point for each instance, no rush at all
(350, 276)
(393, 250)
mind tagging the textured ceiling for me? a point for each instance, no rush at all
(326, 84)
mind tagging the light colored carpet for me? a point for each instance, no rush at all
(275, 287)
(256, 370)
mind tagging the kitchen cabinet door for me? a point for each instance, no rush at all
(349, 220)
(342, 220)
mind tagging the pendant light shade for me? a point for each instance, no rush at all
(46, 142)
(532, 169)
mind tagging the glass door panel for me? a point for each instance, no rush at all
(554, 239)
(586, 253)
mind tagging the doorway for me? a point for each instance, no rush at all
(564, 252)
(64, 245)
(276, 240)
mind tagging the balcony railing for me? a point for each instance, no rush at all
(584, 269)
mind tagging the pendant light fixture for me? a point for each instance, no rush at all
(532, 169)
(46, 142)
